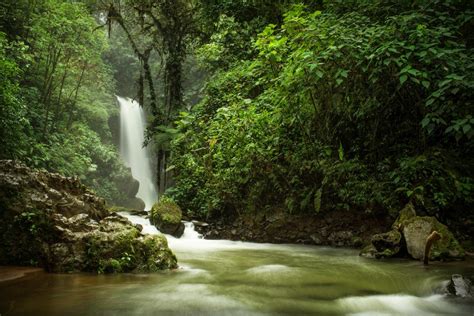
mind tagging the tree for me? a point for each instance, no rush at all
(164, 28)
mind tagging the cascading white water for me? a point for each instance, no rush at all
(135, 156)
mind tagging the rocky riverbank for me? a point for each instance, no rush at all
(377, 235)
(55, 222)
(335, 229)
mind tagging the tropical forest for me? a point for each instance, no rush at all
(236, 157)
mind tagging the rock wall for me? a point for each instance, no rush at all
(338, 229)
(55, 222)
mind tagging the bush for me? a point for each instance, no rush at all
(339, 110)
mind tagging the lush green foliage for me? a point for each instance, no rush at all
(56, 92)
(339, 110)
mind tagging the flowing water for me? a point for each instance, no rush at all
(135, 156)
(219, 277)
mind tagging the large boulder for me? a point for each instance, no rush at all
(133, 203)
(166, 216)
(127, 185)
(416, 231)
(55, 222)
(460, 286)
(409, 236)
(23, 189)
(128, 188)
(111, 245)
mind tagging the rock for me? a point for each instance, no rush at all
(116, 245)
(118, 209)
(356, 242)
(410, 231)
(341, 238)
(459, 286)
(23, 189)
(417, 229)
(316, 239)
(139, 213)
(405, 214)
(200, 224)
(128, 185)
(57, 223)
(387, 244)
(368, 252)
(166, 216)
(133, 203)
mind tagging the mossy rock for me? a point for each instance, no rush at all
(405, 214)
(418, 228)
(156, 254)
(387, 244)
(166, 216)
(112, 245)
(127, 253)
(384, 245)
(55, 222)
(368, 251)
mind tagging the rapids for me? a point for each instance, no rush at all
(221, 277)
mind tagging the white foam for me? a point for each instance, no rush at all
(397, 304)
(269, 268)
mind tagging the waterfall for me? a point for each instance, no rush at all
(135, 156)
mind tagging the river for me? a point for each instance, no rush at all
(240, 278)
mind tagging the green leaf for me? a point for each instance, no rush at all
(430, 101)
(412, 71)
(466, 128)
(317, 200)
(403, 78)
(341, 152)
(425, 122)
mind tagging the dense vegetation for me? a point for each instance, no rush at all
(307, 106)
(57, 92)
(360, 107)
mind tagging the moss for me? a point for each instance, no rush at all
(157, 255)
(101, 249)
(117, 209)
(445, 248)
(129, 251)
(22, 237)
(368, 251)
(388, 253)
(405, 214)
(109, 266)
(167, 211)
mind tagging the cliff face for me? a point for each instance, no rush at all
(56, 222)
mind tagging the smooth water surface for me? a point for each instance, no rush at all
(236, 278)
